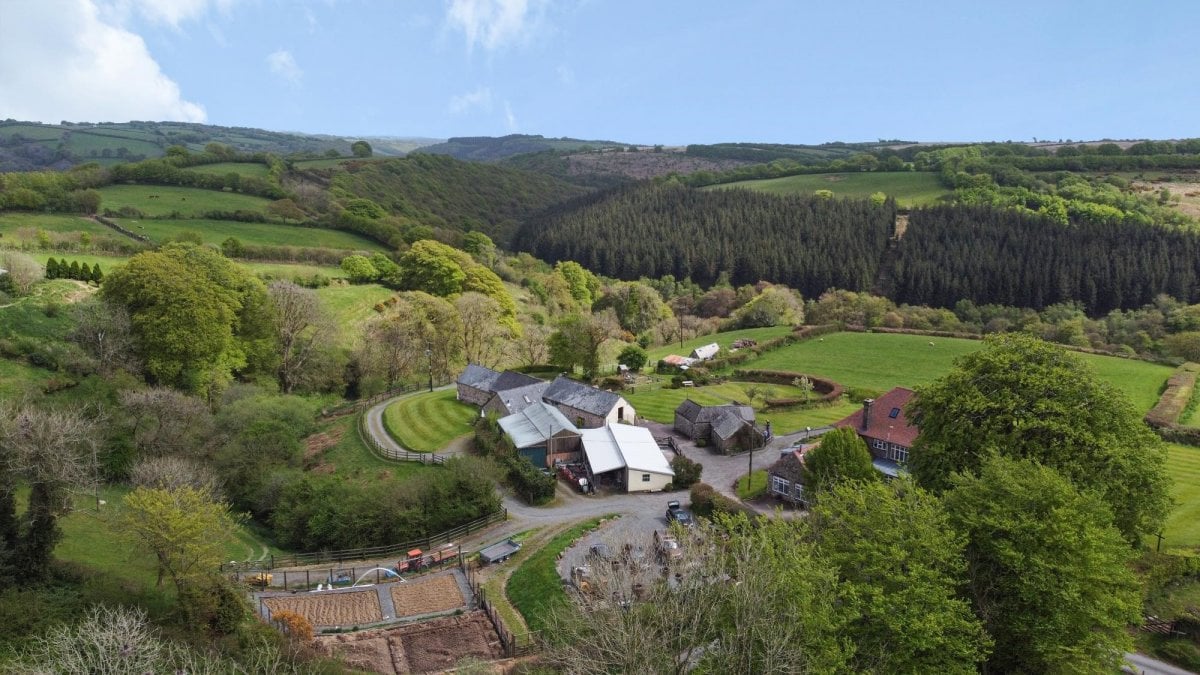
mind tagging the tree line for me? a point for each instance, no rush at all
(653, 230)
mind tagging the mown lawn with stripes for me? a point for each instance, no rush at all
(659, 404)
(1183, 525)
(427, 422)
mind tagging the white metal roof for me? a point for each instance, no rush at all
(535, 424)
(617, 446)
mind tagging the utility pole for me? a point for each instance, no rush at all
(429, 358)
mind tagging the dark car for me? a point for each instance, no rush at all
(677, 514)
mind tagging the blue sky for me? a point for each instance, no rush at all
(644, 72)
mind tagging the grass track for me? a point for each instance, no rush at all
(535, 587)
(427, 422)
(158, 201)
(908, 187)
(270, 234)
(1183, 525)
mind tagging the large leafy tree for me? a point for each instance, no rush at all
(842, 456)
(578, 340)
(1024, 398)
(183, 528)
(196, 317)
(899, 566)
(1048, 573)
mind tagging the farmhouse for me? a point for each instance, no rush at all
(706, 352)
(728, 428)
(785, 478)
(587, 406)
(882, 425)
(511, 401)
(626, 456)
(477, 384)
(542, 435)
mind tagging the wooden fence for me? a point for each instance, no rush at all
(514, 645)
(340, 577)
(370, 553)
(362, 403)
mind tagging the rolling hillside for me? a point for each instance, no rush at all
(908, 188)
(491, 149)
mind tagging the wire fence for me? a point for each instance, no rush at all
(514, 645)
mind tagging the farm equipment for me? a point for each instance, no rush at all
(667, 547)
(418, 560)
(576, 476)
(260, 580)
(499, 552)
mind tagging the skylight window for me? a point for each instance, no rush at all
(894, 413)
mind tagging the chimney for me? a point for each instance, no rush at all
(867, 403)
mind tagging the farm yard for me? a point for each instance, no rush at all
(909, 188)
(330, 608)
(157, 201)
(429, 646)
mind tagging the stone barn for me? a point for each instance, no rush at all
(477, 384)
(728, 428)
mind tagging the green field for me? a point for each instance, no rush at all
(1183, 525)
(535, 587)
(10, 222)
(908, 187)
(880, 361)
(351, 459)
(272, 270)
(268, 234)
(31, 131)
(157, 201)
(253, 169)
(427, 422)
(352, 307)
(83, 144)
(724, 339)
(659, 404)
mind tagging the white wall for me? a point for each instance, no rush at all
(658, 481)
(630, 413)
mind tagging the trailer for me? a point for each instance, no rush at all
(417, 560)
(499, 552)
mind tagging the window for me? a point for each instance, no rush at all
(897, 453)
(779, 485)
(894, 413)
(645, 478)
(878, 444)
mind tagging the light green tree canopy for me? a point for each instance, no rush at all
(841, 456)
(184, 529)
(1024, 398)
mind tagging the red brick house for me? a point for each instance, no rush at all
(881, 423)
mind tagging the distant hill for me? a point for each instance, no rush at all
(769, 152)
(609, 166)
(492, 149)
(28, 146)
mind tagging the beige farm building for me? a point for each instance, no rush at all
(626, 456)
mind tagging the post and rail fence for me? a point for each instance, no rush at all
(514, 645)
(393, 454)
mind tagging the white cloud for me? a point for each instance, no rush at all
(169, 12)
(510, 120)
(494, 23)
(282, 63)
(480, 98)
(60, 60)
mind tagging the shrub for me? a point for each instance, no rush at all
(1181, 652)
(687, 472)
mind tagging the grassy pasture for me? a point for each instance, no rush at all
(427, 422)
(910, 188)
(351, 459)
(12, 221)
(31, 131)
(270, 234)
(267, 269)
(83, 144)
(881, 361)
(252, 169)
(724, 339)
(352, 306)
(158, 201)
(1183, 525)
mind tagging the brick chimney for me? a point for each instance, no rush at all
(867, 403)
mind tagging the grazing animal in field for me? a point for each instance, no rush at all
(931, 343)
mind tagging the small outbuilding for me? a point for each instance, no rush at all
(626, 456)
(541, 434)
(728, 428)
(706, 352)
(785, 478)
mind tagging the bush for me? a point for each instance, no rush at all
(1182, 653)
(687, 472)
(612, 384)
(534, 486)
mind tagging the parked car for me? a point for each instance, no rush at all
(678, 514)
(666, 546)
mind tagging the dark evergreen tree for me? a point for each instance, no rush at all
(73, 270)
(51, 269)
(97, 275)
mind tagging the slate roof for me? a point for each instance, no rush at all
(516, 400)
(535, 425)
(888, 422)
(618, 446)
(568, 392)
(725, 420)
(487, 379)
(788, 466)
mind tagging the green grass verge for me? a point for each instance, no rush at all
(880, 361)
(427, 422)
(535, 587)
(749, 487)
(909, 188)
(253, 169)
(351, 459)
(1182, 530)
(158, 201)
(266, 234)
(723, 339)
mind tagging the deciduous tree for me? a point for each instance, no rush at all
(304, 333)
(184, 529)
(842, 456)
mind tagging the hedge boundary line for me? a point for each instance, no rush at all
(1164, 416)
(828, 389)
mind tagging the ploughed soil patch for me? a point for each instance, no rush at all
(331, 608)
(426, 595)
(425, 647)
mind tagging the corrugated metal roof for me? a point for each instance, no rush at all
(535, 425)
(706, 352)
(617, 446)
